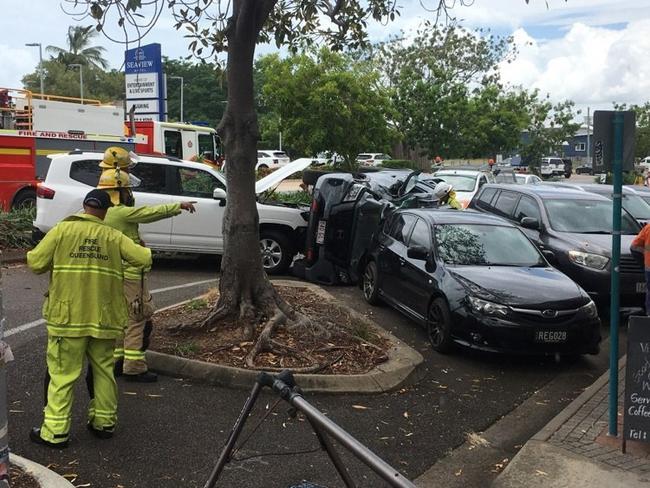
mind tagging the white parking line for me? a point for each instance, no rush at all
(36, 323)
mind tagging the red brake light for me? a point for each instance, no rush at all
(44, 192)
(314, 205)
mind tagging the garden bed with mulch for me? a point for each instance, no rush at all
(351, 345)
(21, 479)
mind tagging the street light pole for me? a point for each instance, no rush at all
(179, 78)
(81, 78)
(40, 61)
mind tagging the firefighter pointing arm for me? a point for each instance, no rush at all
(83, 321)
(125, 217)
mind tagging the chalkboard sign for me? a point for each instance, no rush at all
(636, 419)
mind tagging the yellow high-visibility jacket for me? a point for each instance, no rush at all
(126, 220)
(86, 295)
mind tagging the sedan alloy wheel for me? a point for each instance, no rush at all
(439, 326)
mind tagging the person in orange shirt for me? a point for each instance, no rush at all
(640, 249)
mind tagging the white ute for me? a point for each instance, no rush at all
(170, 180)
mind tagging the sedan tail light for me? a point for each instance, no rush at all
(45, 192)
(275, 161)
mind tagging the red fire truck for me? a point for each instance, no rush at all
(33, 126)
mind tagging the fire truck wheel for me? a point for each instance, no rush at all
(25, 199)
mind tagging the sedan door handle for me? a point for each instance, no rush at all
(402, 261)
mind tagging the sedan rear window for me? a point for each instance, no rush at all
(485, 245)
(586, 217)
(280, 154)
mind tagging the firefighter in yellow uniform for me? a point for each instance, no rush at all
(85, 312)
(125, 217)
(446, 196)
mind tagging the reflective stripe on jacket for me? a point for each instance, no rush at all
(86, 295)
(126, 220)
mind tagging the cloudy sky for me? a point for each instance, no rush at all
(593, 52)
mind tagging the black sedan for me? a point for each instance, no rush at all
(476, 280)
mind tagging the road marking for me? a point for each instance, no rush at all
(36, 323)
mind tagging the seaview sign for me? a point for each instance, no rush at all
(145, 88)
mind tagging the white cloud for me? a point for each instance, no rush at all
(589, 65)
(16, 62)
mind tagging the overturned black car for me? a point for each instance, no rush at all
(346, 211)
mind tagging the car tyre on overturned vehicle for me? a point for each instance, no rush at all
(276, 252)
(369, 283)
(439, 326)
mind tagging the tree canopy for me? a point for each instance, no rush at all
(326, 101)
(79, 49)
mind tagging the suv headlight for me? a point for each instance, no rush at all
(590, 309)
(487, 308)
(588, 260)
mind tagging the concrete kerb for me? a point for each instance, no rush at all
(560, 419)
(45, 477)
(400, 368)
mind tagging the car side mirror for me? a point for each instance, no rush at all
(529, 223)
(220, 195)
(420, 253)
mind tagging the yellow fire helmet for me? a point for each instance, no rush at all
(118, 157)
(112, 180)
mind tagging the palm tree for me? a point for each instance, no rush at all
(79, 50)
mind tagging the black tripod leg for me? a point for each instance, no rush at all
(234, 435)
(333, 455)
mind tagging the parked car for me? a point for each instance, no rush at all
(271, 159)
(466, 181)
(636, 206)
(476, 280)
(585, 169)
(552, 166)
(372, 159)
(168, 180)
(527, 179)
(346, 211)
(574, 228)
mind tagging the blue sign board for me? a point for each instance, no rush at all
(145, 84)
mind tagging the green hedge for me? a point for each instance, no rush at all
(401, 164)
(15, 228)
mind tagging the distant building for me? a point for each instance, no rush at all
(576, 147)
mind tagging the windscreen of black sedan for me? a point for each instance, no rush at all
(586, 217)
(485, 245)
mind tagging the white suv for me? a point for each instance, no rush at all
(271, 159)
(372, 159)
(170, 180)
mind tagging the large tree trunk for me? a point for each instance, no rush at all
(244, 287)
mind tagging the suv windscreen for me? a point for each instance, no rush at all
(637, 207)
(586, 217)
(459, 182)
(485, 245)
